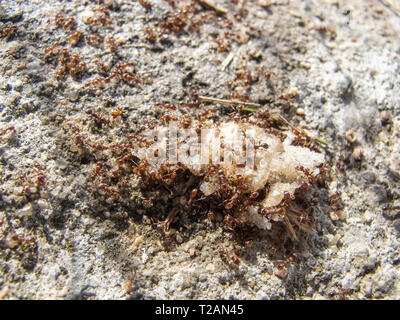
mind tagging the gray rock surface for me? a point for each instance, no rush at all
(57, 241)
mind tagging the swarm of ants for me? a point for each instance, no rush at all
(172, 192)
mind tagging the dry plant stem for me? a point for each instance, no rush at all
(227, 61)
(256, 105)
(319, 140)
(289, 228)
(293, 218)
(394, 8)
(210, 5)
(230, 102)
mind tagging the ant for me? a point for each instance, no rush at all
(228, 258)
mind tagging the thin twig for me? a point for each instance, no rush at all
(391, 7)
(289, 228)
(275, 117)
(210, 5)
(316, 139)
(250, 109)
(227, 61)
(230, 102)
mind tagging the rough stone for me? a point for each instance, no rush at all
(345, 68)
